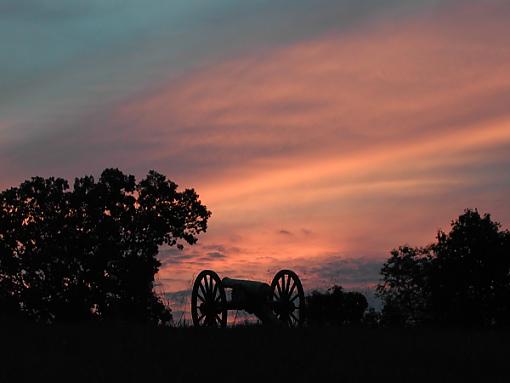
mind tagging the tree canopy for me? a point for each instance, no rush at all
(335, 307)
(462, 278)
(91, 252)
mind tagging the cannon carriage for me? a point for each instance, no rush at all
(280, 304)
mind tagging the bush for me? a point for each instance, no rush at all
(335, 307)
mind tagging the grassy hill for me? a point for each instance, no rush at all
(108, 353)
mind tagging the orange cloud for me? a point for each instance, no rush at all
(366, 139)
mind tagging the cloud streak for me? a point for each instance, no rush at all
(319, 153)
(373, 138)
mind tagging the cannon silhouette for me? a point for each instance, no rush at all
(280, 304)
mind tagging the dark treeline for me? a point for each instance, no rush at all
(463, 278)
(335, 307)
(90, 252)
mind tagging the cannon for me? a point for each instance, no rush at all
(280, 304)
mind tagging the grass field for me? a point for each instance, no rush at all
(85, 353)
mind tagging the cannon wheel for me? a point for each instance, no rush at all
(288, 298)
(208, 301)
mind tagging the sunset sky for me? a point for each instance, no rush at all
(321, 134)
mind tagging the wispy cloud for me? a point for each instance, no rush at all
(332, 145)
(372, 138)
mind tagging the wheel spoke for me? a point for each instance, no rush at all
(293, 299)
(210, 288)
(288, 285)
(279, 288)
(283, 283)
(200, 297)
(292, 288)
(203, 283)
(215, 290)
(203, 290)
(294, 317)
(208, 283)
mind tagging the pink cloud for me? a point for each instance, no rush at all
(353, 142)
(372, 139)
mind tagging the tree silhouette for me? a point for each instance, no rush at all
(90, 252)
(463, 278)
(470, 276)
(404, 288)
(335, 307)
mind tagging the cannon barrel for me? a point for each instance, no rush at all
(254, 288)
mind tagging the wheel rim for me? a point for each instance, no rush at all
(288, 298)
(208, 301)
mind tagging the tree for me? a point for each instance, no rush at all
(335, 307)
(404, 285)
(470, 276)
(463, 278)
(91, 252)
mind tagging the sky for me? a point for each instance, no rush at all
(320, 134)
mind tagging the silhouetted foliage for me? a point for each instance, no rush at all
(463, 278)
(90, 252)
(404, 290)
(371, 318)
(335, 307)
